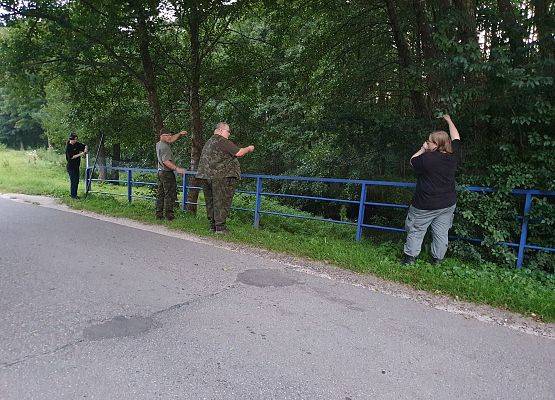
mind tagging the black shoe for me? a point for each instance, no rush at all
(221, 230)
(75, 197)
(407, 260)
(436, 261)
(159, 217)
(170, 217)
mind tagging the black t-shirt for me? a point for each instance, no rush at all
(71, 150)
(435, 185)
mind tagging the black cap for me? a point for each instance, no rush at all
(72, 136)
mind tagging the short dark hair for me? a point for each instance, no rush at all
(163, 131)
(220, 125)
(72, 136)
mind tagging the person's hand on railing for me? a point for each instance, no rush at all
(182, 133)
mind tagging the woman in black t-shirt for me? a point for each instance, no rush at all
(435, 198)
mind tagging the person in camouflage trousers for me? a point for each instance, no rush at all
(219, 172)
(166, 191)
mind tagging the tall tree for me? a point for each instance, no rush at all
(417, 97)
(514, 29)
(467, 21)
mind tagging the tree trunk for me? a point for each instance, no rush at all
(149, 76)
(514, 30)
(101, 162)
(116, 157)
(545, 26)
(428, 46)
(442, 10)
(194, 102)
(417, 98)
(467, 24)
(429, 50)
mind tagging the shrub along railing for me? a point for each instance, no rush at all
(362, 202)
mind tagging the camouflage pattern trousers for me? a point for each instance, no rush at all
(218, 195)
(166, 194)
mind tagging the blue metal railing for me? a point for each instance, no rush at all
(362, 203)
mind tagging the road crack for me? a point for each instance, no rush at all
(173, 307)
(44, 353)
(192, 301)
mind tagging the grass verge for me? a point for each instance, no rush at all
(524, 291)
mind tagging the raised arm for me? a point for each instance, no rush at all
(177, 136)
(453, 132)
(244, 150)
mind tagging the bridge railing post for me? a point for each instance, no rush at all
(361, 209)
(258, 202)
(524, 231)
(184, 190)
(88, 178)
(129, 185)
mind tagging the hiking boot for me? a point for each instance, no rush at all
(221, 230)
(408, 260)
(436, 261)
(170, 217)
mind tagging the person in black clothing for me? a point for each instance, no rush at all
(74, 151)
(435, 198)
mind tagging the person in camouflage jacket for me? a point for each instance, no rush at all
(219, 172)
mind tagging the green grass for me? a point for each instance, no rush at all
(527, 292)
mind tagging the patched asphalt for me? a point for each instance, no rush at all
(92, 309)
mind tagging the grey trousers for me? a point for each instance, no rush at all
(417, 224)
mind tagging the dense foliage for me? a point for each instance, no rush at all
(342, 88)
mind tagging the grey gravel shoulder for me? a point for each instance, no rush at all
(484, 313)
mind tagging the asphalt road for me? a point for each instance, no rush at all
(96, 310)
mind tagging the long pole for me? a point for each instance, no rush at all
(89, 181)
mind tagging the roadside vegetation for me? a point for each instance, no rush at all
(529, 292)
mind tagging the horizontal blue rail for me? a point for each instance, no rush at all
(362, 202)
(335, 221)
(370, 203)
(298, 196)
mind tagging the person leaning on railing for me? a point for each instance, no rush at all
(219, 172)
(435, 198)
(166, 191)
